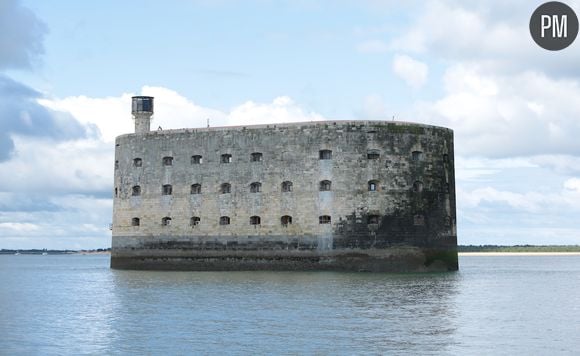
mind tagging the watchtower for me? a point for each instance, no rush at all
(142, 111)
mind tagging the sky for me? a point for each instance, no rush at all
(69, 68)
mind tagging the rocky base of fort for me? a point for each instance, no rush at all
(396, 259)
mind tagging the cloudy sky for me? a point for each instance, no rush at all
(69, 68)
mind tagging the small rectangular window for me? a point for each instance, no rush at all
(286, 220)
(287, 186)
(256, 157)
(325, 154)
(255, 187)
(417, 156)
(373, 154)
(194, 221)
(196, 189)
(167, 161)
(225, 188)
(197, 159)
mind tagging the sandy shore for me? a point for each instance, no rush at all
(519, 253)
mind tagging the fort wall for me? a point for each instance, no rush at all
(337, 195)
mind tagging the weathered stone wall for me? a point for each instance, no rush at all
(408, 223)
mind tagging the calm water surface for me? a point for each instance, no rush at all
(509, 305)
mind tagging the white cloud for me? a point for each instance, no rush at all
(490, 233)
(21, 35)
(112, 115)
(104, 113)
(573, 184)
(498, 199)
(458, 31)
(528, 202)
(493, 33)
(40, 166)
(481, 168)
(174, 111)
(10, 228)
(506, 115)
(73, 222)
(413, 41)
(490, 215)
(412, 71)
(561, 164)
(281, 109)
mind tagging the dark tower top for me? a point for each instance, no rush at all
(142, 104)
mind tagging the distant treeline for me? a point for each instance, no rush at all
(460, 248)
(50, 252)
(519, 248)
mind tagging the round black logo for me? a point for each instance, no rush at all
(554, 26)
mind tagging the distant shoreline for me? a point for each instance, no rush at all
(54, 252)
(519, 253)
(467, 254)
(463, 250)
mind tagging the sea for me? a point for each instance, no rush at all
(494, 305)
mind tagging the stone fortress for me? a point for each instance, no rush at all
(331, 195)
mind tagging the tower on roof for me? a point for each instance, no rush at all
(142, 111)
